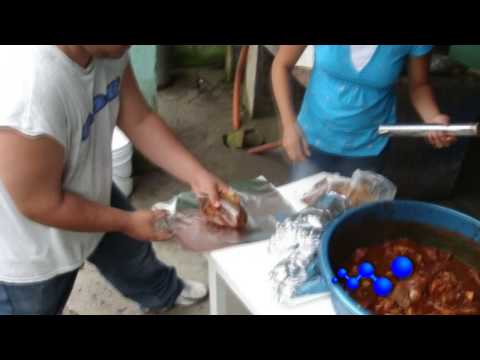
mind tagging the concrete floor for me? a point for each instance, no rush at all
(199, 115)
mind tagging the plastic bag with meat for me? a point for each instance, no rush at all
(362, 188)
(230, 214)
(249, 212)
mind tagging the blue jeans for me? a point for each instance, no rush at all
(128, 264)
(320, 161)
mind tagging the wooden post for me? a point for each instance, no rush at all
(258, 98)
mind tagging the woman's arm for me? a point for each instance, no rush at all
(423, 100)
(293, 140)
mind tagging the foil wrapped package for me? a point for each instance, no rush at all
(299, 232)
(263, 204)
(296, 241)
(297, 238)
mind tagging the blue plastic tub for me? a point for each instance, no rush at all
(336, 245)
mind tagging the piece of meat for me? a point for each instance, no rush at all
(409, 292)
(385, 305)
(398, 248)
(359, 255)
(354, 270)
(395, 311)
(444, 310)
(445, 289)
(389, 250)
(319, 189)
(469, 296)
(443, 281)
(468, 311)
(475, 275)
(341, 187)
(231, 214)
(360, 194)
(437, 267)
(400, 295)
(431, 253)
(403, 250)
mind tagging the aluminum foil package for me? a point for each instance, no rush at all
(297, 238)
(299, 232)
(263, 204)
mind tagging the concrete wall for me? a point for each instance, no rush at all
(149, 63)
(199, 55)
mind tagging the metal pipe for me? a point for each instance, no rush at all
(459, 130)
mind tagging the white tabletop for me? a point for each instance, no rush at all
(245, 269)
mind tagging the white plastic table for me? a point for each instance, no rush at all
(243, 270)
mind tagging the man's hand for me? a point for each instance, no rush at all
(440, 140)
(152, 137)
(294, 142)
(141, 226)
(206, 184)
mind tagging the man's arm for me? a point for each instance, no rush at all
(31, 169)
(154, 139)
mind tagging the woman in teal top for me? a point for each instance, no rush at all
(350, 93)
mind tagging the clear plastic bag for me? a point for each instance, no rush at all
(195, 233)
(362, 188)
(261, 201)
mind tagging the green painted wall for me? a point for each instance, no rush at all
(143, 59)
(468, 55)
(199, 55)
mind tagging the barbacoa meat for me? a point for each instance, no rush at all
(230, 214)
(440, 284)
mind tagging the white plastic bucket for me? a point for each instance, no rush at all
(122, 153)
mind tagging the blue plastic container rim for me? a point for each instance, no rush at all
(323, 261)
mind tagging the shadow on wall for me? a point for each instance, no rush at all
(199, 55)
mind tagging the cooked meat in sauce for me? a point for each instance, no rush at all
(440, 284)
(230, 214)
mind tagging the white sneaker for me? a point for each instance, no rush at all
(193, 293)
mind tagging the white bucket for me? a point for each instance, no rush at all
(122, 153)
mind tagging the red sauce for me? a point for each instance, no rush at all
(440, 285)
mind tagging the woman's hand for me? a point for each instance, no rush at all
(206, 184)
(440, 140)
(294, 142)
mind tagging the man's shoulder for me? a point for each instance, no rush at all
(27, 65)
(115, 65)
(28, 81)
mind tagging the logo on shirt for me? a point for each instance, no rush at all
(99, 102)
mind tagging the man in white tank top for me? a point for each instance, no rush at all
(60, 105)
